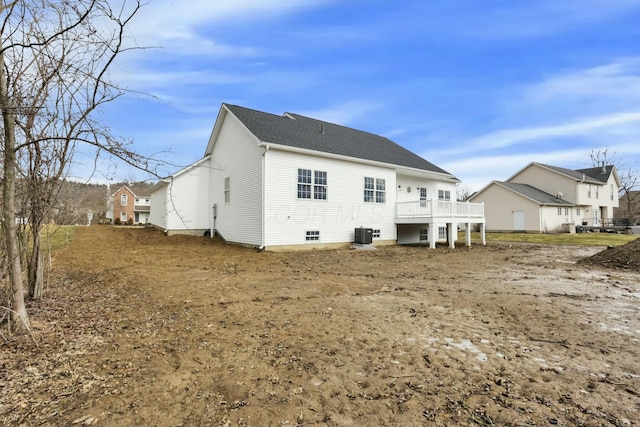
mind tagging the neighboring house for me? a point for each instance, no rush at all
(124, 204)
(291, 181)
(629, 207)
(542, 198)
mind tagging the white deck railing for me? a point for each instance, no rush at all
(439, 209)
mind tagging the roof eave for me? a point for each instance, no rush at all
(436, 175)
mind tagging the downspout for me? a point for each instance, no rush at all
(264, 215)
(214, 207)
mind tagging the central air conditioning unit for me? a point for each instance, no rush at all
(363, 236)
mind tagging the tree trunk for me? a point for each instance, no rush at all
(19, 313)
(36, 266)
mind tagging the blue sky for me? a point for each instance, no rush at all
(480, 88)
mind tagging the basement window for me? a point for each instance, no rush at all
(313, 235)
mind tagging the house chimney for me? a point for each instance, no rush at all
(604, 169)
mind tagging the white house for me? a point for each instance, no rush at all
(283, 182)
(542, 198)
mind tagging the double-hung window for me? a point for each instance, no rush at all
(444, 195)
(374, 190)
(227, 190)
(380, 191)
(312, 184)
(319, 185)
(124, 200)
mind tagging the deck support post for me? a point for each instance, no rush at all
(467, 229)
(433, 235)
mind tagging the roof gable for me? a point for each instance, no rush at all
(590, 175)
(294, 130)
(135, 190)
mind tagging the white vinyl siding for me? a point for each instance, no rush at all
(288, 218)
(182, 204)
(237, 155)
(158, 213)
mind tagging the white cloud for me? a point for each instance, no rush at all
(584, 126)
(609, 85)
(176, 23)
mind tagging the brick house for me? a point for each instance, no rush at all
(125, 205)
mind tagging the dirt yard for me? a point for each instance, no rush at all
(142, 329)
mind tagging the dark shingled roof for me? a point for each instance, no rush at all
(298, 131)
(594, 175)
(533, 193)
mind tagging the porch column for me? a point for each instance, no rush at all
(467, 228)
(433, 235)
(482, 233)
(450, 236)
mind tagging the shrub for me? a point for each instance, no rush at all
(117, 221)
(130, 221)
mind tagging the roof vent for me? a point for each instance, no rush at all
(322, 128)
(604, 169)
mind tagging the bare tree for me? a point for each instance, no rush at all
(462, 194)
(54, 62)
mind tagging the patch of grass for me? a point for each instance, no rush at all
(581, 239)
(61, 235)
